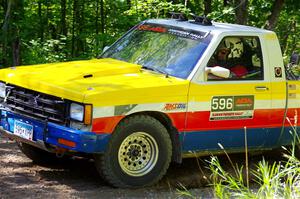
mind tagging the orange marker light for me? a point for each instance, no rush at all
(66, 142)
(88, 114)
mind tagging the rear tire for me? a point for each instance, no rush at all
(37, 155)
(138, 154)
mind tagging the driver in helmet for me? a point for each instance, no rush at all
(228, 55)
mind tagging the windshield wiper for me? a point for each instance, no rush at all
(156, 70)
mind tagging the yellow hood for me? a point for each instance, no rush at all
(91, 81)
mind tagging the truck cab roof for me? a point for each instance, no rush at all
(215, 28)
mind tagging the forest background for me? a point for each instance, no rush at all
(43, 31)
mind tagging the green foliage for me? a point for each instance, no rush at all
(89, 25)
(155, 9)
(45, 52)
(275, 180)
(222, 13)
(297, 71)
(227, 185)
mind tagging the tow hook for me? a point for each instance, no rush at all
(60, 152)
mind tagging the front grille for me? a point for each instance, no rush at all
(36, 104)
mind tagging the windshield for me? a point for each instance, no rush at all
(166, 49)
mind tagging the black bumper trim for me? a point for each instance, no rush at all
(39, 144)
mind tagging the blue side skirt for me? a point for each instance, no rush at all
(257, 138)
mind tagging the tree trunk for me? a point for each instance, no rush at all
(16, 48)
(48, 13)
(5, 31)
(225, 3)
(129, 4)
(273, 18)
(97, 17)
(7, 16)
(97, 26)
(17, 16)
(207, 7)
(241, 12)
(102, 16)
(11, 31)
(80, 22)
(73, 27)
(63, 23)
(78, 40)
(41, 32)
(102, 21)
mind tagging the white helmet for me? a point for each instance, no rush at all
(235, 45)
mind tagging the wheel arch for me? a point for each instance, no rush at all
(166, 121)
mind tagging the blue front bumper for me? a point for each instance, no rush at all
(47, 133)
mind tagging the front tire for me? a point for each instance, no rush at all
(37, 155)
(138, 155)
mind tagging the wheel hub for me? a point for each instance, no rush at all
(134, 152)
(138, 154)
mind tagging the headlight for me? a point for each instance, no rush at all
(77, 112)
(2, 90)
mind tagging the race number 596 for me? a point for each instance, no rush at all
(222, 103)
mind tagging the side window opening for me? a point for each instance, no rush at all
(241, 55)
(293, 67)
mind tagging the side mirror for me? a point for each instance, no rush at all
(106, 48)
(218, 71)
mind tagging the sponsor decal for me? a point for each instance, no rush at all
(292, 96)
(278, 72)
(175, 106)
(152, 28)
(124, 109)
(292, 87)
(190, 34)
(232, 107)
(187, 34)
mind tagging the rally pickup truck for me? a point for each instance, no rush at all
(168, 89)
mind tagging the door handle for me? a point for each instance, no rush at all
(261, 88)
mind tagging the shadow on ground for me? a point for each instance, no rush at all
(19, 177)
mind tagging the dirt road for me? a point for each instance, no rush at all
(78, 178)
(20, 178)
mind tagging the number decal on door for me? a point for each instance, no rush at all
(232, 107)
(222, 103)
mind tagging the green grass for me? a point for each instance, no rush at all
(272, 180)
(296, 70)
(279, 179)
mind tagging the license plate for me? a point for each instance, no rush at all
(23, 130)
